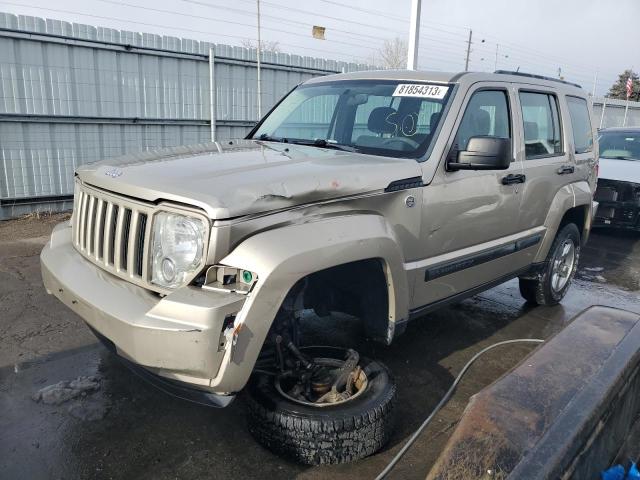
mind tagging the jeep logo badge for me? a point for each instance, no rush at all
(113, 172)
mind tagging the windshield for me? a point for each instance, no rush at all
(378, 117)
(620, 145)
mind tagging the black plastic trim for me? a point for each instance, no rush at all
(404, 184)
(9, 202)
(533, 75)
(458, 297)
(452, 266)
(529, 241)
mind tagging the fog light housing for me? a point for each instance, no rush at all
(229, 279)
(247, 276)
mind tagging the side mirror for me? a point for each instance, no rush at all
(484, 153)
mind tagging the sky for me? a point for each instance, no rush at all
(577, 39)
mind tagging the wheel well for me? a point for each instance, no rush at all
(577, 215)
(356, 288)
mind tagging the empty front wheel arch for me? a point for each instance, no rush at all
(356, 288)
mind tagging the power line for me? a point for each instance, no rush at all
(273, 18)
(528, 58)
(219, 20)
(446, 44)
(104, 17)
(393, 17)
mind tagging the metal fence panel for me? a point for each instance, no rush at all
(614, 113)
(72, 94)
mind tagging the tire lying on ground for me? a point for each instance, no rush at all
(323, 435)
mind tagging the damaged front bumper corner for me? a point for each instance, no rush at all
(177, 342)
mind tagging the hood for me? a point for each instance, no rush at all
(246, 177)
(620, 170)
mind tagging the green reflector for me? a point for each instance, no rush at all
(247, 276)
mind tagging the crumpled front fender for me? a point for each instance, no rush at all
(282, 256)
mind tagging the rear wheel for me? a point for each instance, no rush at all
(559, 269)
(315, 424)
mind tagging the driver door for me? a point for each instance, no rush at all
(470, 216)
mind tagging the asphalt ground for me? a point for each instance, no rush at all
(124, 428)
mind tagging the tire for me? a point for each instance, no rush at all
(541, 290)
(324, 435)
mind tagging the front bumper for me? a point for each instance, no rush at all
(178, 337)
(625, 215)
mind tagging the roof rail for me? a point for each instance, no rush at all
(539, 77)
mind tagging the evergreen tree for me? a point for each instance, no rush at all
(619, 89)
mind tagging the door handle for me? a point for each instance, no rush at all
(565, 169)
(513, 178)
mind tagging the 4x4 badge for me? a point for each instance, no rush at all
(113, 172)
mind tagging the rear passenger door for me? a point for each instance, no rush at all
(547, 164)
(584, 150)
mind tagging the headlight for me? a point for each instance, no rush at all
(177, 248)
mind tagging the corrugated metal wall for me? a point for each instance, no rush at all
(614, 113)
(73, 94)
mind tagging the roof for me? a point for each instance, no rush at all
(462, 78)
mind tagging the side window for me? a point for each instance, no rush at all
(580, 124)
(487, 115)
(541, 124)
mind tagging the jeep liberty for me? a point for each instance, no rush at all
(383, 195)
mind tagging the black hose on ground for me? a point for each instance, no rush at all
(444, 400)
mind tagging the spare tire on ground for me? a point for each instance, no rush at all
(328, 434)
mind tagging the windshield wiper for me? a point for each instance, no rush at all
(268, 138)
(322, 143)
(619, 157)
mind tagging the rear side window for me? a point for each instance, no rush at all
(486, 115)
(580, 124)
(541, 124)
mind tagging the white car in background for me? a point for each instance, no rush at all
(618, 189)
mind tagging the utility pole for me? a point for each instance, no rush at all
(604, 108)
(595, 82)
(495, 65)
(626, 108)
(258, 55)
(626, 111)
(466, 62)
(414, 34)
(212, 92)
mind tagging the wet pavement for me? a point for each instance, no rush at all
(122, 428)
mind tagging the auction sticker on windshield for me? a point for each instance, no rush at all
(420, 90)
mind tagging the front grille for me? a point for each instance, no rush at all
(606, 194)
(112, 232)
(617, 191)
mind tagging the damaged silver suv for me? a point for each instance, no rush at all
(383, 195)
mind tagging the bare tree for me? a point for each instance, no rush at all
(265, 46)
(394, 53)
